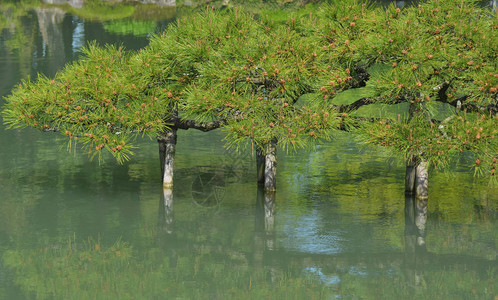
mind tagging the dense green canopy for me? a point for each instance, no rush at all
(97, 101)
(246, 74)
(434, 66)
(210, 71)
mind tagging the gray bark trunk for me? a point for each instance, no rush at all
(422, 179)
(410, 175)
(167, 146)
(271, 167)
(260, 165)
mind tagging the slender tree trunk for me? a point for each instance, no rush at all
(411, 174)
(417, 177)
(167, 145)
(260, 165)
(271, 167)
(422, 179)
(411, 163)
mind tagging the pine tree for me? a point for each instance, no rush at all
(213, 70)
(269, 84)
(435, 66)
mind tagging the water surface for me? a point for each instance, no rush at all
(340, 225)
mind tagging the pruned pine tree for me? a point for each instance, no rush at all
(247, 75)
(208, 71)
(269, 84)
(434, 65)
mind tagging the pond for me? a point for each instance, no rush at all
(339, 226)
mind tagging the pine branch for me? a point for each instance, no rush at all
(469, 107)
(191, 124)
(364, 101)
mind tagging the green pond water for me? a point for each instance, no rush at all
(339, 227)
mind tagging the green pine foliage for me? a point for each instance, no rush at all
(247, 73)
(260, 80)
(97, 102)
(440, 52)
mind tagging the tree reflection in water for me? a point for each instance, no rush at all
(183, 260)
(415, 247)
(166, 217)
(192, 262)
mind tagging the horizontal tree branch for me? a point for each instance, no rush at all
(364, 101)
(460, 103)
(191, 124)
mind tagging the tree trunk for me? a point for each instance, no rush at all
(411, 174)
(417, 177)
(260, 165)
(422, 179)
(167, 145)
(271, 167)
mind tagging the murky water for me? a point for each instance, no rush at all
(339, 227)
